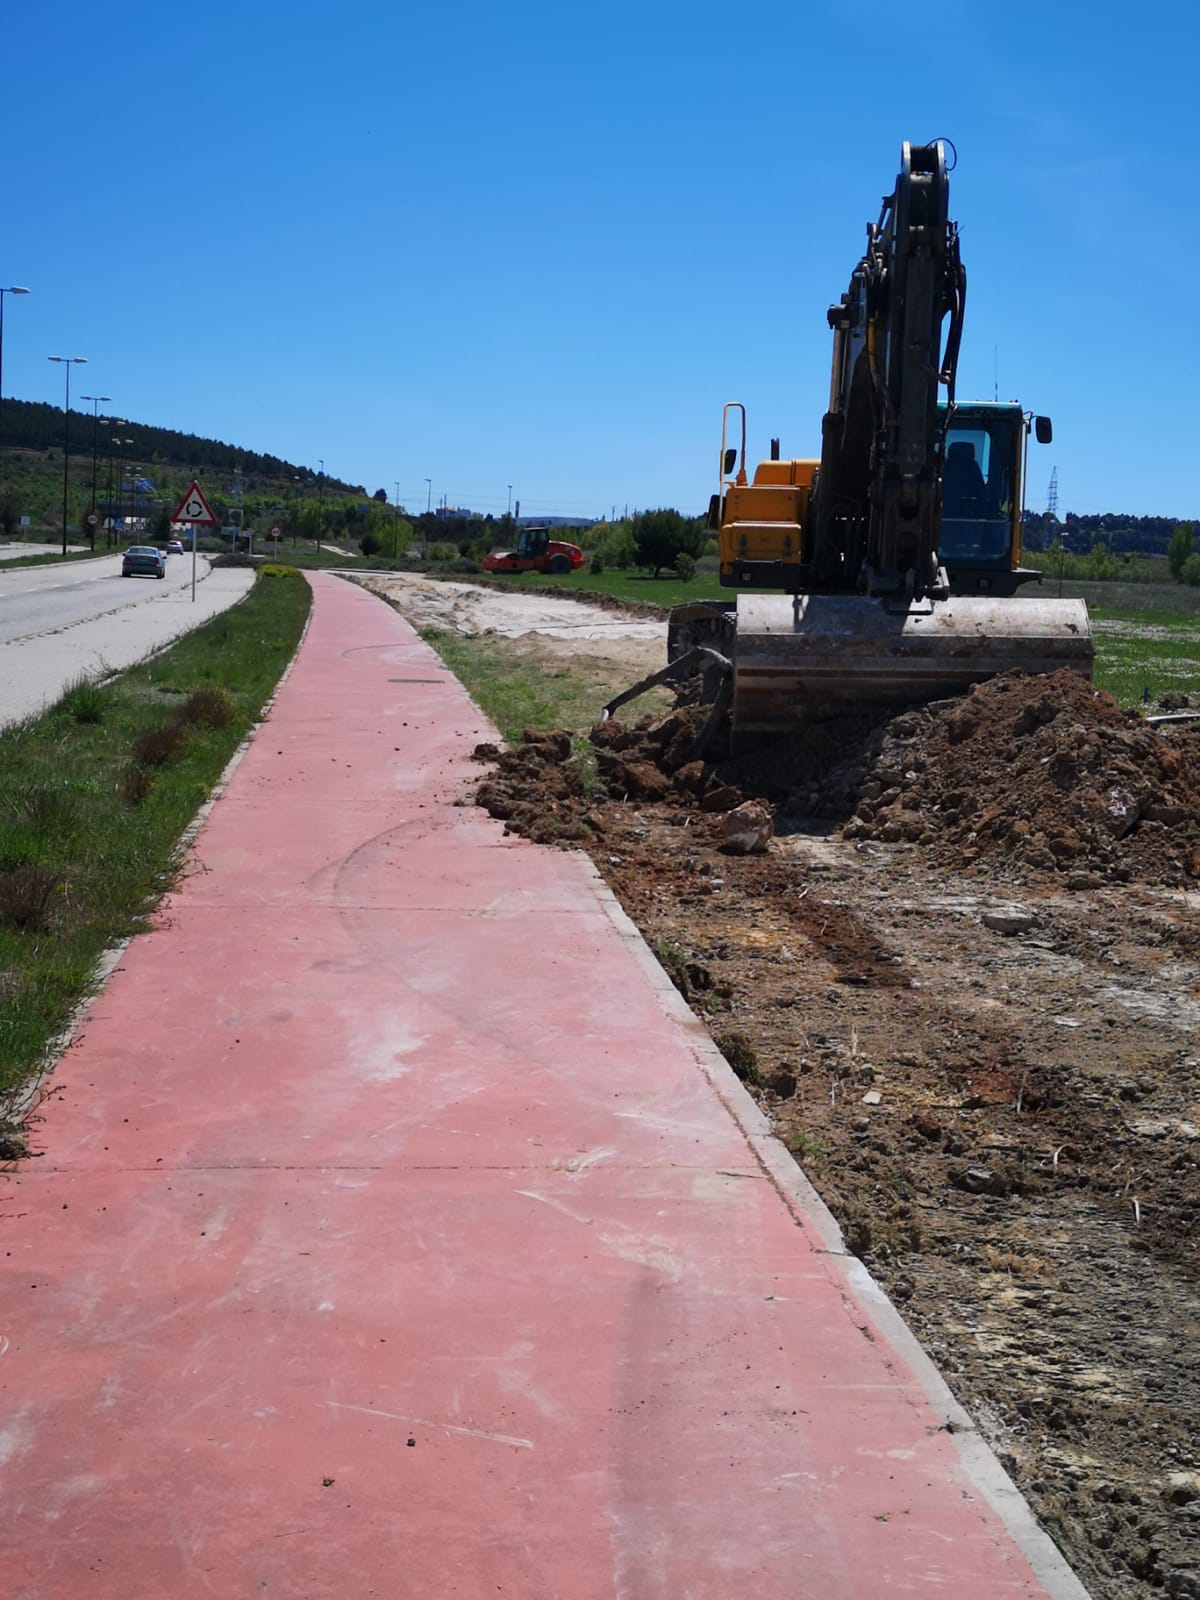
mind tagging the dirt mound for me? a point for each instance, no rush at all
(550, 786)
(1032, 773)
(1046, 772)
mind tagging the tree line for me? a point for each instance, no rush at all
(1117, 531)
(34, 425)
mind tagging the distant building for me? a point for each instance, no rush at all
(556, 522)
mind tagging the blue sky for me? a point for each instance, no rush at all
(540, 245)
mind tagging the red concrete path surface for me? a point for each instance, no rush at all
(399, 1233)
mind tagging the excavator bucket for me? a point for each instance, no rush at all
(819, 656)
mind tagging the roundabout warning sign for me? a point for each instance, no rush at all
(195, 508)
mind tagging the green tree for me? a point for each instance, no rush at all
(1101, 563)
(1191, 572)
(660, 536)
(1181, 547)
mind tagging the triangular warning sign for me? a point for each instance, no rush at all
(195, 508)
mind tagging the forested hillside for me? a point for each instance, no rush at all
(30, 425)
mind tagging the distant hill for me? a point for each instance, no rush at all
(148, 468)
(31, 425)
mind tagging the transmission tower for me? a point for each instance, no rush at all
(1052, 496)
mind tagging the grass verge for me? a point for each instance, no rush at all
(96, 793)
(52, 558)
(1158, 651)
(519, 689)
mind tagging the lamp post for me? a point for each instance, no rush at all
(108, 531)
(425, 524)
(298, 491)
(67, 362)
(320, 505)
(12, 289)
(396, 521)
(95, 399)
(508, 513)
(117, 443)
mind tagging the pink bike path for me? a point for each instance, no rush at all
(398, 1232)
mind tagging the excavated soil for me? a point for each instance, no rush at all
(962, 979)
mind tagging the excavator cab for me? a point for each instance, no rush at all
(983, 480)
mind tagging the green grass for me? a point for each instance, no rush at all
(1154, 650)
(1119, 598)
(518, 691)
(51, 558)
(305, 556)
(1110, 598)
(665, 591)
(92, 833)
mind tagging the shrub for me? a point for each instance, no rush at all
(46, 808)
(1190, 572)
(370, 544)
(685, 566)
(209, 707)
(157, 746)
(84, 701)
(597, 563)
(25, 894)
(616, 550)
(135, 785)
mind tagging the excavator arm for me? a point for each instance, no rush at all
(876, 508)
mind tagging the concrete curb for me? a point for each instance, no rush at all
(979, 1460)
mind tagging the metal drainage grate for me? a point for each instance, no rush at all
(416, 680)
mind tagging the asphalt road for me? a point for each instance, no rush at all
(58, 623)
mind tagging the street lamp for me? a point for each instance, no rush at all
(117, 443)
(12, 289)
(320, 505)
(108, 531)
(67, 362)
(508, 513)
(425, 525)
(299, 493)
(95, 399)
(396, 521)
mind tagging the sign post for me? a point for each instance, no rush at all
(195, 509)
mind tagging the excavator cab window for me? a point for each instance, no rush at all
(977, 490)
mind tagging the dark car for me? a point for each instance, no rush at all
(143, 560)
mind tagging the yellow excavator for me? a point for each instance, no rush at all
(897, 551)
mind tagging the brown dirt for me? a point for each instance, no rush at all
(983, 916)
